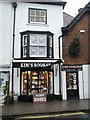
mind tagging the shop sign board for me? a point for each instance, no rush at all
(39, 98)
(34, 65)
(71, 67)
(30, 65)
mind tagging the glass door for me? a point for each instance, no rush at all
(72, 84)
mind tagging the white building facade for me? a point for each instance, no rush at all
(30, 61)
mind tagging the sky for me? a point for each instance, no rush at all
(72, 6)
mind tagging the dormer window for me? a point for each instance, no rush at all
(37, 16)
(36, 44)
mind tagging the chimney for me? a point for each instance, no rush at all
(79, 10)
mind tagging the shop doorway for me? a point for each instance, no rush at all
(72, 85)
(33, 82)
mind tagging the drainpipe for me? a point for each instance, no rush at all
(14, 6)
(59, 67)
(14, 17)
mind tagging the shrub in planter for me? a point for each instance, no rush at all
(8, 99)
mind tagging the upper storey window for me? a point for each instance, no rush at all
(37, 16)
(36, 44)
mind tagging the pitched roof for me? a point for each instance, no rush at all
(76, 19)
(67, 19)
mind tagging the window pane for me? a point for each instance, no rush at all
(43, 13)
(42, 51)
(24, 40)
(32, 18)
(38, 19)
(32, 12)
(24, 83)
(42, 40)
(50, 41)
(33, 51)
(51, 82)
(24, 51)
(38, 13)
(33, 39)
(50, 52)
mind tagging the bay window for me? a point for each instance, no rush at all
(36, 44)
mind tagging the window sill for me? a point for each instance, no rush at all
(37, 24)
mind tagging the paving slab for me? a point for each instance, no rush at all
(23, 108)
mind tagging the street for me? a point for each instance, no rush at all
(79, 115)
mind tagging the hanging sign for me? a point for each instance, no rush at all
(39, 98)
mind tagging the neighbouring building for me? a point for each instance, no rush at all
(30, 58)
(76, 55)
(67, 19)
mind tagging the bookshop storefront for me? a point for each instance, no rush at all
(35, 78)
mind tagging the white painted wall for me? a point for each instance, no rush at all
(16, 82)
(64, 90)
(0, 33)
(54, 23)
(56, 79)
(86, 77)
(80, 84)
(5, 35)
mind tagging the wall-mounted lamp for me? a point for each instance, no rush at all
(82, 31)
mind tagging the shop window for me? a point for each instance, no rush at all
(4, 82)
(37, 16)
(50, 82)
(24, 83)
(36, 82)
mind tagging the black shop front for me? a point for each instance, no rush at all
(36, 77)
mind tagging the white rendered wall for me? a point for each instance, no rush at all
(81, 84)
(86, 77)
(54, 23)
(64, 90)
(16, 82)
(5, 35)
(56, 79)
(0, 34)
(89, 81)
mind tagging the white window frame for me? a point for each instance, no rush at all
(35, 16)
(24, 45)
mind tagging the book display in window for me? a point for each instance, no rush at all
(29, 83)
(24, 85)
(34, 82)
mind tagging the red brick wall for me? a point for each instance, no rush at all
(89, 37)
(82, 24)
